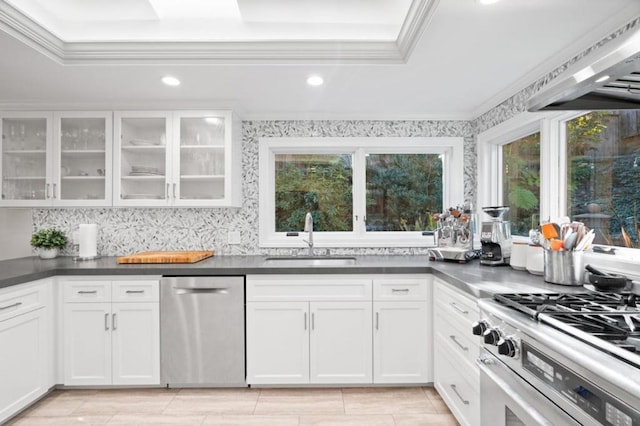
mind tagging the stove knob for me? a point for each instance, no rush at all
(480, 327)
(492, 336)
(507, 347)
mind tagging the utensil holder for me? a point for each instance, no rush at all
(563, 267)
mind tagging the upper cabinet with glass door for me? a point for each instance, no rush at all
(83, 160)
(142, 160)
(181, 158)
(25, 170)
(56, 159)
(207, 169)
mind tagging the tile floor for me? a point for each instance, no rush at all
(408, 406)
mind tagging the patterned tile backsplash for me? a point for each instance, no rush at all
(128, 230)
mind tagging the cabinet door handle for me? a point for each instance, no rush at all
(174, 190)
(313, 321)
(464, 348)
(167, 193)
(377, 320)
(135, 292)
(400, 290)
(455, 389)
(2, 308)
(458, 308)
(88, 292)
(106, 321)
(53, 194)
(305, 320)
(114, 324)
(47, 190)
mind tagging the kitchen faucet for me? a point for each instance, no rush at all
(308, 227)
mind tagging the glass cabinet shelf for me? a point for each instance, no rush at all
(201, 177)
(24, 178)
(26, 152)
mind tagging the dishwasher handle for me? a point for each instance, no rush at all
(201, 290)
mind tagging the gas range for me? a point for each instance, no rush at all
(580, 352)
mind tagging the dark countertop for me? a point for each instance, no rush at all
(473, 278)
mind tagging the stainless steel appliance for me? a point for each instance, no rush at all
(560, 359)
(454, 235)
(495, 237)
(611, 82)
(202, 331)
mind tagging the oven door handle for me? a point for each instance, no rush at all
(486, 363)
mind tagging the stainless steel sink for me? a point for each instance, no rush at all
(310, 260)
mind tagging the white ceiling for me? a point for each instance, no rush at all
(468, 58)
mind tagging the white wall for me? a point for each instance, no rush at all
(15, 233)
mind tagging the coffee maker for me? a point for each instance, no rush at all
(495, 237)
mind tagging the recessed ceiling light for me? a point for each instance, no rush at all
(603, 78)
(315, 80)
(170, 81)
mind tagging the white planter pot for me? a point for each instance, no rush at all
(45, 253)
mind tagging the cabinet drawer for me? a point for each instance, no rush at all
(135, 291)
(21, 299)
(401, 289)
(87, 291)
(456, 303)
(461, 396)
(307, 288)
(457, 341)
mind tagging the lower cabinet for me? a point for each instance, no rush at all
(24, 347)
(308, 342)
(338, 329)
(401, 342)
(111, 333)
(457, 378)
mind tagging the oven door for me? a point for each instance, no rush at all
(508, 400)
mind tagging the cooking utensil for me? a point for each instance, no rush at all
(594, 270)
(570, 240)
(549, 231)
(608, 282)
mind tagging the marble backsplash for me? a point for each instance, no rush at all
(128, 230)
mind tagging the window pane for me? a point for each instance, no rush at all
(521, 182)
(603, 150)
(320, 184)
(403, 191)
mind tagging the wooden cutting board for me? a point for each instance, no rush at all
(166, 257)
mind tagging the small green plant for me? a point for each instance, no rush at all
(49, 238)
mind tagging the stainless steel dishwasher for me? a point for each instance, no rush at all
(202, 331)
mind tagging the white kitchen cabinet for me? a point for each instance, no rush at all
(278, 342)
(300, 332)
(457, 377)
(56, 159)
(402, 335)
(87, 343)
(25, 346)
(111, 332)
(177, 158)
(340, 343)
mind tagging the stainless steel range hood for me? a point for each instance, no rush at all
(609, 83)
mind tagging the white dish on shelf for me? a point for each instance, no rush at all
(144, 142)
(145, 169)
(142, 197)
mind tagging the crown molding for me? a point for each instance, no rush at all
(23, 28)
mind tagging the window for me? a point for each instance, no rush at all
(360, 191)
(603, 174)
(521, 182)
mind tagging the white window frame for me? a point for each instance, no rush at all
(553, 176)
(451, 148)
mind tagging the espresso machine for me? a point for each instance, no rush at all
(454, 235)
(495, 237)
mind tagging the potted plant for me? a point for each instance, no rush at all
(49, 242)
